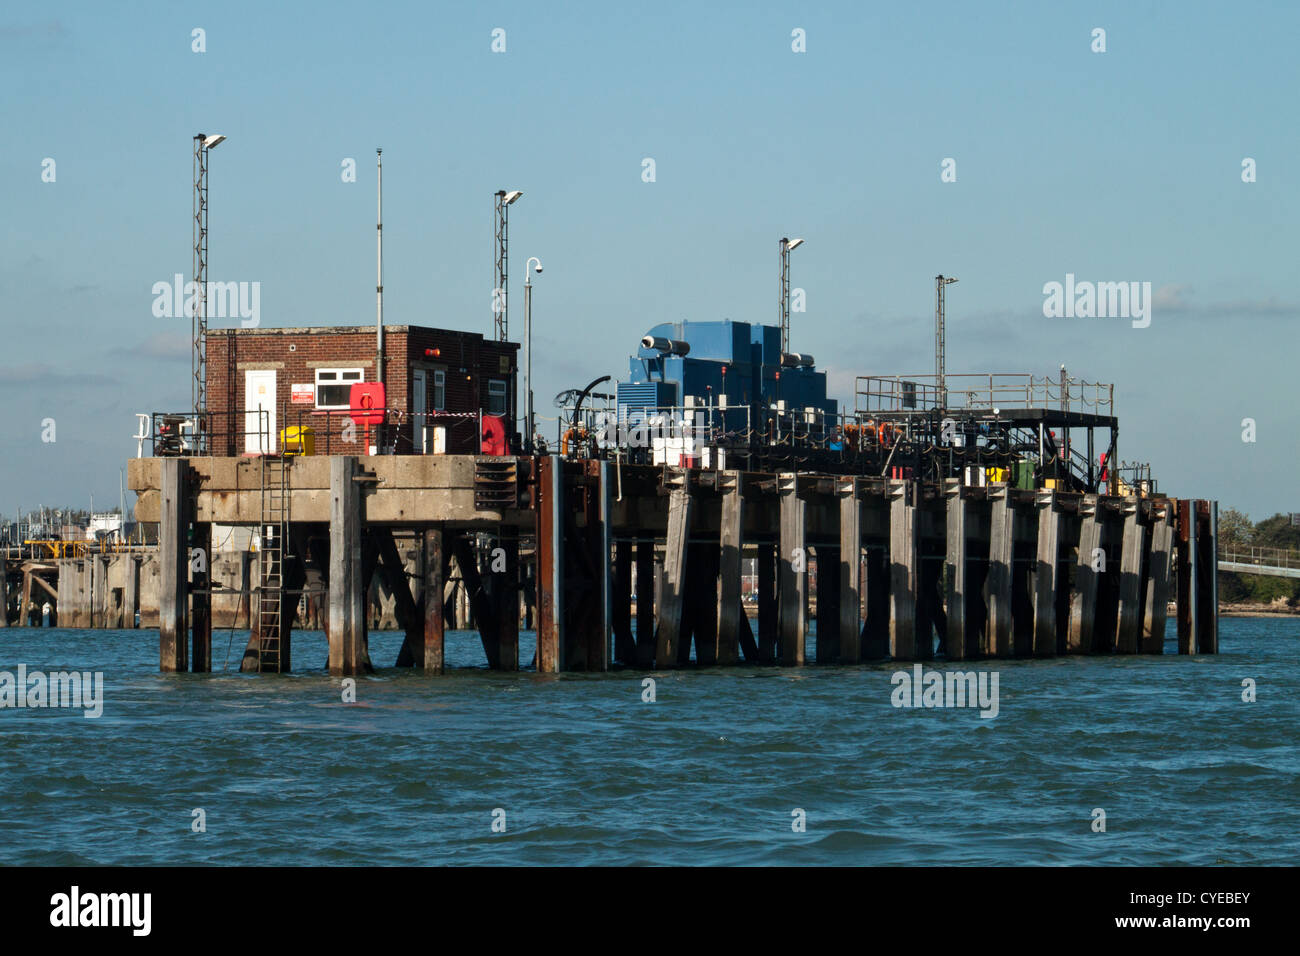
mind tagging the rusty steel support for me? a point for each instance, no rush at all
(550, 564)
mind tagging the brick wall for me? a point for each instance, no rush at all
(466, 360)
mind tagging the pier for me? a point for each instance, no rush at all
(897, 569)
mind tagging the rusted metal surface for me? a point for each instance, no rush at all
(550, 564)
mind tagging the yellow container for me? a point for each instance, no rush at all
(997, 474)
(1052, 484)
(298, 440)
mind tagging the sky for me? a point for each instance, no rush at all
(1122, 165)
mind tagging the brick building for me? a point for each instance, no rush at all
(437, 382)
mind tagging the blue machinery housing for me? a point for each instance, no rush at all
(733, 367)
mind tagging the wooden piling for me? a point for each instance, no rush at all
(4, 592)
(645, 602)
(669, 638)
(201, 597)
(850, 571)
(1210, 612)
(1188, 592)
(393, 570)
(550, 564)
(730, 608)
(347, 584)
(598, 655)
(1158, 580)
(792, 562)
(505, 594)
(904, 561)
(432, 566)
(1000, 637)
(173, 566)
(1129, 616)
(765, 583)
(828, 603)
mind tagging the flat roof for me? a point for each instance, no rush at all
(356, 330)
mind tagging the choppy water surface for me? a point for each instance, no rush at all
(708, 774)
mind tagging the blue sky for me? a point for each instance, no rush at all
(1123, 165)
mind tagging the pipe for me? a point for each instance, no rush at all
(668, 346)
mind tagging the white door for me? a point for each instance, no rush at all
(419, 406)
(259, 396)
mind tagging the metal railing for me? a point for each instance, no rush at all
(1260, 557)
(920, 394)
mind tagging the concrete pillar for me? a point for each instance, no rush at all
(130, 590)
(956, 589)
(792, 562)
(904, 561)
(1047, 575)
(730, 608)
(1087, 572)
(999, 636)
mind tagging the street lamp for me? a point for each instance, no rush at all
(528, 348)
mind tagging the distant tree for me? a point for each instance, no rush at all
(1235, 529)
(1275, 532)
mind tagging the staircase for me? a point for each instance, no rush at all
(274, 529)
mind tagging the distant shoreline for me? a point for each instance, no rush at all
(1257, 610)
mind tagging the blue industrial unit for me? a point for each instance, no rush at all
(736, 362)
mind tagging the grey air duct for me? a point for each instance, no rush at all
(667, 346)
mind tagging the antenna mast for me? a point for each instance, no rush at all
(379, 270)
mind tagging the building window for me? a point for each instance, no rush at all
(496, 396)
(334, 386)
(439, 390)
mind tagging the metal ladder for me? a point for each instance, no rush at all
(274, 531)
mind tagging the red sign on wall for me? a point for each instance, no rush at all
(302, 394)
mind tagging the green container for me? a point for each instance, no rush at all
(1023, 474)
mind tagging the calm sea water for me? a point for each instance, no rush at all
(710, 773)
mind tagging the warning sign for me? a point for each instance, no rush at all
(302, 394)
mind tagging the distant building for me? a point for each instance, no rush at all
(437, 382)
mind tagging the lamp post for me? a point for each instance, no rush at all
(529, 268)
(784, 305)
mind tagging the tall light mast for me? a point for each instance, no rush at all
(203, 142)
(379, 269)
(500, 295)
(940, 341)
(784, 302)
